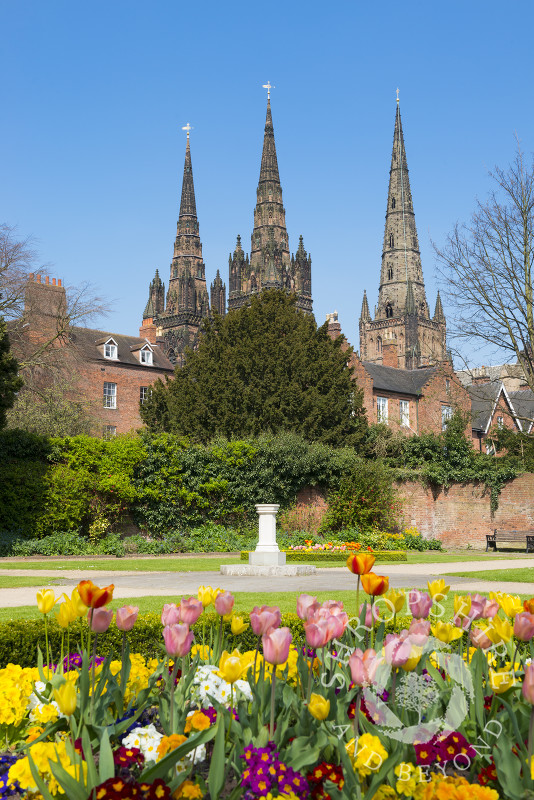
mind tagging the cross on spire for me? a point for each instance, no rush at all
(187, 128)
(397, 95)
(268, 87)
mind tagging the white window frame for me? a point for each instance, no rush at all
(144, 394)
(110, 394)
(109, 432)
(446, 414)
(404, 412)
(500, 422)
(111, 350)
(382, 410)
(146, 356)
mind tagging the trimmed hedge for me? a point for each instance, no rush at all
(329, 557)
(19, 638)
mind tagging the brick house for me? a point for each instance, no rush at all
(112, 373)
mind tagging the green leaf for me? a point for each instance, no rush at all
(162, 767)
(73, 789)
(216, 773)
(41, 785)
(106, 765)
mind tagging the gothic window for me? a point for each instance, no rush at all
(393, 202)
(391, 240)
(389, 310)
(379, 345)
(390, 273)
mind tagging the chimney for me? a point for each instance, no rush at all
(390, 356)
(148, 331)
(334, 328)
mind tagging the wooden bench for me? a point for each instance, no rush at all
(510, 537)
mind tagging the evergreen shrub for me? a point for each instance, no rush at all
(329, 557)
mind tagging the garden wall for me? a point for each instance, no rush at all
(460, 515)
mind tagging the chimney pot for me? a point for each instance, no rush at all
(47, 280)
(53, 281)
(59, 281)
(38, 279)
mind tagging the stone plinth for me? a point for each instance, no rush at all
(290, 570)
(267, 552)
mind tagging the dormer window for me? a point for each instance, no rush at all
(145, 356)
(110, 349)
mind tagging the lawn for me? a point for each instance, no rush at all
(520, 575)
(15, 581)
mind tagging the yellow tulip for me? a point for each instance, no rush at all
(66, 698)
(238, 626)
(397, 598)
(510, 604)
(206, 595)
(318, 706)
(79, 607)
(446, 632)
(499, 630)
(462, 605)
(66, 614)
(46, 600)
(438, 589)
(415, 658)
(501, 680)
(230, 667)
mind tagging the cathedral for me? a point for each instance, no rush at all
(175, 319)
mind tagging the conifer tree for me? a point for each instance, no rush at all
(10, 383)
(263, 368)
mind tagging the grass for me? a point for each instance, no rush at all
(201, 564)
(520, 575)
(16, 581)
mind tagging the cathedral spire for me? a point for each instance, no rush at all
(269, 162)
(187, 203)
(439, 314)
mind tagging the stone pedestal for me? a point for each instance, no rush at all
(267, 552)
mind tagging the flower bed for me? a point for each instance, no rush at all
(442, 708)
(309, 556)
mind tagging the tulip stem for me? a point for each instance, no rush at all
(358, 598)
(173, 681)
(231, 711)
(357, 718)
(273, 683)
(256, 658)
(372, 621)
(46, 641)
(93, 675)
(310, 676)
(531, 738)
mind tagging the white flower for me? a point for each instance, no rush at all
(33, 700)
(146, 739)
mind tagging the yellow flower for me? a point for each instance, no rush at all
(397, 598)
(66, 698)
(368, 755)
(438, 589)
(510, 604)
(169, 743)
(502, 679)
(318, 706)
(79, 607)
(206, 595)
(238, 625)
(46, 600)
(385, 793)
(406, 778)
(188, 791)
(499, 630)
(462, 605)
(66, 614)
(415, 658)
(198, 721)
(230, 667)
(446, 632)
(33, 732)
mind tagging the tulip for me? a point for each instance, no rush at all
(500, 630)
(419, 631)
(306, 605)
(395, 599)
(491, 608)
(230, 666)
(99, 619)
(178, 640)
(397, 649)
(446, 632)
(126, 617)
(374, 585)
(66, 698)
(528, 605)
(510, 604)
(79, 606)
(238, 625)
(170, 614)
(319, 706)
(413, 660)
(276, 645)
(420, 604)
(93, 596)
(206, 595)
(527, 690)
(524, 626)
(190, 610)
(371, 612)
(224, 603)
(317, 634)
(360, 564)
(46, 600)
(478, 638)
(66, 614)
(438, 589)
(478, 607)
(265, 619)
(363, 667)
(503, 679)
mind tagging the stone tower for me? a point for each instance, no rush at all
(153, 309)
(270, 264)
(187, 302)
(402, 314)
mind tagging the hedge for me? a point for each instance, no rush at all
(330, 557)
(19, 638)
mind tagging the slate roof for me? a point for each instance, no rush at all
(403, 381)
(483, 398)
(86, 341)
(523, 403)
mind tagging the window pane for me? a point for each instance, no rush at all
(110, 395)
(382, 409)
(143, 394)
(405, 413)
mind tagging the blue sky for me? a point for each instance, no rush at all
(95, 94)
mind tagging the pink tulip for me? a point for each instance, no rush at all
(528, 685)
(170, 614)
(524, 626)
(491, 608)
(370, 612)
(363, 667)
(419, 631)
(178, 639)
(190, 610)
(479, 639)
(420, 604)
(224, 603)
(126, 617)
(306, 605)
(334, 606)
(397, 649)
(317, 634)
(478, 606)
(100, 619)
(276, 645)
(265, 619)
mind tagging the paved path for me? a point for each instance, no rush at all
(166, 584)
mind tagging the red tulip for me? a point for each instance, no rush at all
(375, 585)
(265, 619)
(224, 603)
(93, 596)
(360, 564)
(126, 617)
(100, 619)
(178, 640)
(190, 610)
(276, 645)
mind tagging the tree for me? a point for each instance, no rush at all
(262, 368)
(10, 382)
(487, 266)
(49, 411)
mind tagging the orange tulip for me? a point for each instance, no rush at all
(93, 596)
(360, 564)
(528, 605)
(375, 585)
